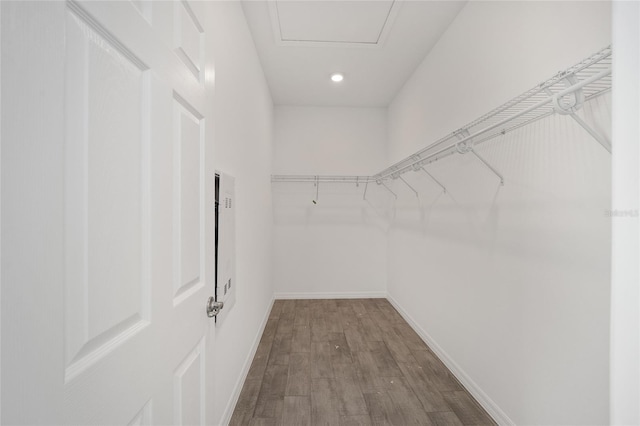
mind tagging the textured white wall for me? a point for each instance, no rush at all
(511, 282)
(242, 132)
(337, 246)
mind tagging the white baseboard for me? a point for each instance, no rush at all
(483, 399)
(345, 295)
(231, 405)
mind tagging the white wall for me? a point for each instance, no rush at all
(325, 140)
(625, 296)
(242, 135)
(337, 246)
(511, 283)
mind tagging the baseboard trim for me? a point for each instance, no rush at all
(483, 399)
(345, 295)
(235, 395)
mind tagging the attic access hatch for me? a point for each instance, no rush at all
(332, 24)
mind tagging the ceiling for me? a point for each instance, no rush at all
(376, 45)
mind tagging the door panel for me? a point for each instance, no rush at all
(189, 388)
(106, 195)
(189, 37)
(188, 191)
(129, 265)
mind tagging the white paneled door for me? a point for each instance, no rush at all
(107, 213)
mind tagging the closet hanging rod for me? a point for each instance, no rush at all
(389, 172)
(322, 178)
(585, 68)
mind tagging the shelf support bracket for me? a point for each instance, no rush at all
(364, 195)
(410, 187)
(570, 103)
(489, 166)
(434, 179)
(597, 136)
(466, 145)
(317, 185)
(393, 193)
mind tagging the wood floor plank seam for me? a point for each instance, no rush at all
(349, 362)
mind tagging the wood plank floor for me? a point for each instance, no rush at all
(349, 362)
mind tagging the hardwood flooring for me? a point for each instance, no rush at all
(349, 362)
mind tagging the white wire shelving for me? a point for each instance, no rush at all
(564, 93)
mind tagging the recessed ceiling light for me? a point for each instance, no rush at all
(337, 77)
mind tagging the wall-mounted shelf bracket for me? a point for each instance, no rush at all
(489, 166)
(466, 145)
(410, 187)
(317, 185)
(434, 179)
(419, 165)
(597, 136)
(381, 182)
(570, 103)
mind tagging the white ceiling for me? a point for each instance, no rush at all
(376, 44)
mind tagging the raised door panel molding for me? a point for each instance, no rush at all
(188, 163)
(143, 417)
(145, 7)
(106, 194)
(189, 388)
(188, 37)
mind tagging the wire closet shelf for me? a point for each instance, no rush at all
(564, 93)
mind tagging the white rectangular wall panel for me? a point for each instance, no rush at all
(342, 232)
